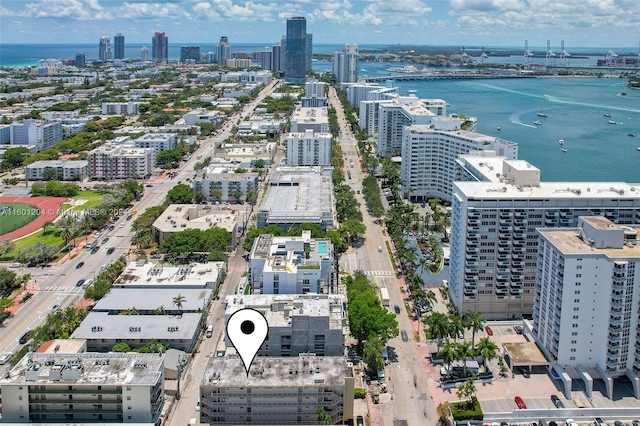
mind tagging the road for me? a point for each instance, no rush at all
(56, 285)
(410, 403)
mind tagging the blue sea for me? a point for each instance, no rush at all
(575, 108)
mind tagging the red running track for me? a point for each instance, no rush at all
(49, 210)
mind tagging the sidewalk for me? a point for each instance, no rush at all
(30, 287)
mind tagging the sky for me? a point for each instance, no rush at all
(580, 23)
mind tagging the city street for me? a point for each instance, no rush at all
(410, 402)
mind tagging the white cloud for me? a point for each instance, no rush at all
(66, 9)
(151, 10)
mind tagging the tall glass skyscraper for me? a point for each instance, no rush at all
(118, 46)
(295, 57)
(223, 50)
(160, 47)
(104, 49)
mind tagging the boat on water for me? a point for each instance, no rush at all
(498, 128)
(611, 122)
(622, 93)
(606, 114)
(564, 150)
(633, 135)
(537, 122)
(542, 114)
(638, 148)
(561, 141)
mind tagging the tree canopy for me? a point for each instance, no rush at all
(213, 240)
(180, 194)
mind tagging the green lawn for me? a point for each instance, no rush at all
(52, 237)
(19, 215)
(92, 198)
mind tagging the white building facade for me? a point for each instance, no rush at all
(316, 119)
(429, 157)
(497, 204)
(585, 314)
(114, 162)
(34, 132)
(308, 149)
(279, 265)
(223, 184)
(120, 108)
(157, 141)
(63, 169)
(84, 388)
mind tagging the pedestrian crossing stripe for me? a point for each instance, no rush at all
(379, 273)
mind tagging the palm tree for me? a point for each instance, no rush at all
(473, 322)
(323, 416)
(438, 326)
(463, 351)
(448, 353)
(45, 225)
(455, 326)
(431, 297)
(178, 301)
(488, 349)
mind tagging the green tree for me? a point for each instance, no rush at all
(170, 157)
(180, 194)
(438, 324)
(323, 417)
(372, 354)
(488, 350)
(444, 413)
(473, 321)
(178, 302)
(216, 194)
(14, 157)
(252, 196)
(353, 229)
(8, 280)
(456, 328)
(121, 347)
(237, 194)
(464, 351)
(448, 353)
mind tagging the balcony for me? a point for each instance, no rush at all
(501, 285)
(472, 236)
(615, 338)
(612, 364)
(471, 257)
(501, 291)
(469, 292)
(503, 263)
(470, 285)
(549, 222)
(473, 222)
(550, 214)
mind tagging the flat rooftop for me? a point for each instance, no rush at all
(65, 346)
(299, 193)
(568, 241)
(478, 138)
(161, 275)
(97, 369)
(279, 308)
(308, 371)
(101, 325)
(194, 216)
(306, 115)
(121, 299)
(58, 163)
(525, 353)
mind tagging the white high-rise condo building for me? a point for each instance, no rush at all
(144, 53)
(394, 117)
(497, 204)
(316, 119)
(429, 156)
(586, 317)
(104, 49)
(110, 162)
(309, 149)
(345, 64)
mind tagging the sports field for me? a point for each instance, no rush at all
(16, 215)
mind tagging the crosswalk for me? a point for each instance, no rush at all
(379, 273)
(62, 289)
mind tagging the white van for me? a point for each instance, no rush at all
(210, 331)
(87, 283)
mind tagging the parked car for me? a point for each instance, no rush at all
(110, 250)
(520, 403)
(618, 423)
(111, 228)
(25, 337)
(396, 309)
(359, 421)
(404, 335)
(15, 265)
(525, 372)
(121, 225)
(571, 422)
(79, 265)
(4, 358)
(556, 401)
(517, 329)
(149, 185)
(488, 330)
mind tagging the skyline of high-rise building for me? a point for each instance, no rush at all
(104, 49)
(118, 44)
(223, 50)
(80, 59)
(160, 47)
(144, 53)
(295, 64)
(189, 53)
(276, 57)
(345, 64)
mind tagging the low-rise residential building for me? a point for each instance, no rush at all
(260, 77)
(222, 183)
(585, 312)
(102, 330)
(119, 108)
(276, 391)
(297, 195)
(115, 162)
(146, 301)
(178, 217)
(315, 119)
(157, 141)
(291, 265)
(84, 388)
(203, 116)
(309, 148)
(149, 275)
(247, 153)
(57, 170)
(298, 324)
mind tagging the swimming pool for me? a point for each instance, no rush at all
(322, 248)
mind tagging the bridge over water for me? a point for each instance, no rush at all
(443, 76)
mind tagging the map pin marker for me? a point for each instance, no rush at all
(247, 329)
